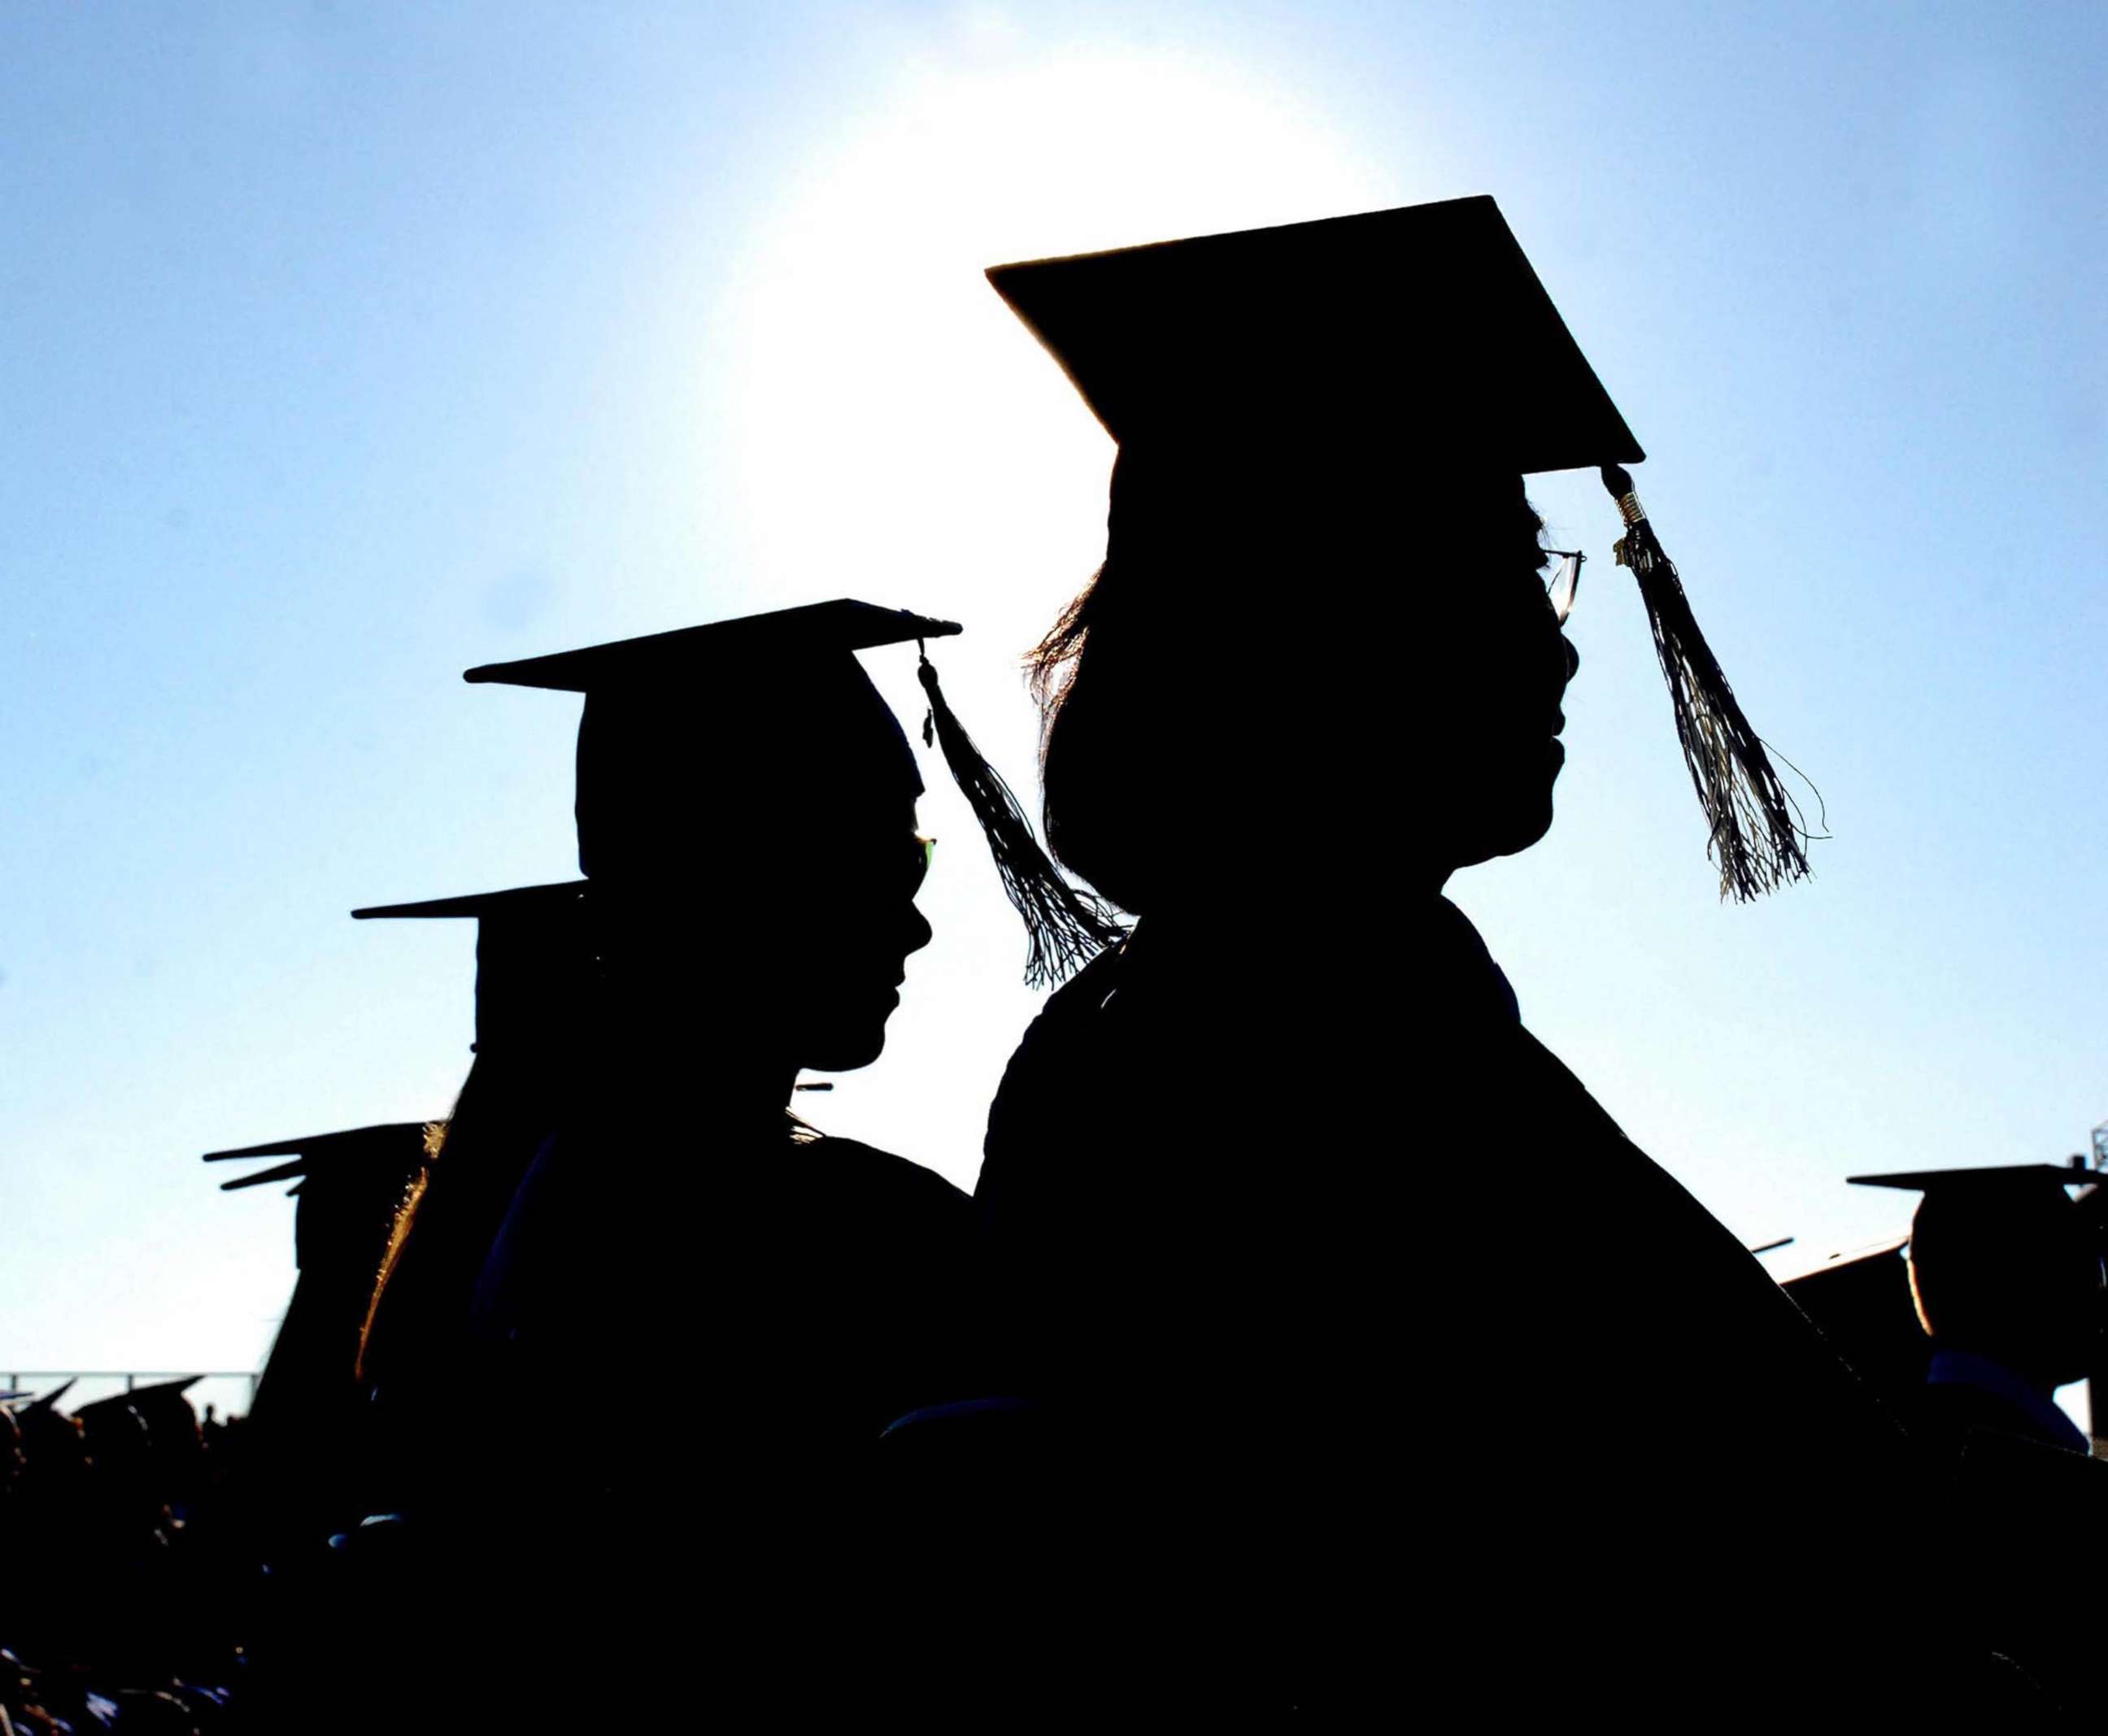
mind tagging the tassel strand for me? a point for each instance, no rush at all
(1065, 927)
(1755, 835)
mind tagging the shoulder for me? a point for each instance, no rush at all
(867, 1176)
(1062, 1045)
(1680, 1280)
(1076, 1003)
(1068, 1023)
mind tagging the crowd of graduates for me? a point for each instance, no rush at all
(1200, 1413)
(129, 1561)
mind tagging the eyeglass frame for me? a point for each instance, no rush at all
(1570, 575)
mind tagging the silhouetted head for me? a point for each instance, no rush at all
(759, 881)
(54, 1445)
(1320, 646)
(1390, 707)
(768, 900)
(2010, 1270)
(826, 916)
(746, 824)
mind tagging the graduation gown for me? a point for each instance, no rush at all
(687, 1336)
(769, 1284)
(1392, 1372)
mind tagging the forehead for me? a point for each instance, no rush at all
(669, 773)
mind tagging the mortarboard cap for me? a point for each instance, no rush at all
(758, 655)
(48, 1401)
(686, 733)
(1415, 339)
(157, 1392)
(684, 730)
(1284, 329)
(534, 956)
(2010, 1202)
(156, 1406)
(1995, 1201)
(2002, 1257)
(2013, 1203)
(388, 1141)
(352, 1175)
(1991, 1182)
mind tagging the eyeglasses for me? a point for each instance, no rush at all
(1564, 584)
(925, 851)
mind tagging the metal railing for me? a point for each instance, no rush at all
(16, 1379)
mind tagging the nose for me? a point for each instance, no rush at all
(917, 931)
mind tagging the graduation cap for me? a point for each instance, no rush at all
(685, 732)
(2013, 1204)
(1992, 1182)
(160, 1411)
(344, 1179)
(1990, 1242)
(155, 1396)
(2010, 1205)
(1421, 339)
(391, 1141)
(533, 954)
(48, 1403)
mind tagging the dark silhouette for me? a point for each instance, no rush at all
(311, 1435)
(1458, 1394)
(118, 1608)
(535, 968)
(2005, 1275)
(766, 1295)
(1860, 1299)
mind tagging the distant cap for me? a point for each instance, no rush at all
(1426, 321)
(2005, 1262)
(722, 651)
(533, 960)
(1988, 1181)
(48, 1401)
(159, 1391)
(343, 1177)
(687, 734)
(386, 1140)
(2016, 1205)
(160, 1409)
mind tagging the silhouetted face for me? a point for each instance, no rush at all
(847, 920)
(1390, 671)
(1492, 670)
(755, 872)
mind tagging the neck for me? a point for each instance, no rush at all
(697, 1044)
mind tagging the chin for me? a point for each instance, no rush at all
(845, 1051)
(1508, 835)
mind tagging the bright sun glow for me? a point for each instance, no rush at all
(894, 422)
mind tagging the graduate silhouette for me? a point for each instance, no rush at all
(2005, 1275)
(752, 1301)
(1452, 1394)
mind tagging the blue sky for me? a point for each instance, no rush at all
(343, 347)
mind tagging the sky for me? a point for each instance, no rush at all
(345, 347)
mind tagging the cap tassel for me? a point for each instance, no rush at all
(1756, 833)
(1066, 928)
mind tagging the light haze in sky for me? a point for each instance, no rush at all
(343, 347)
